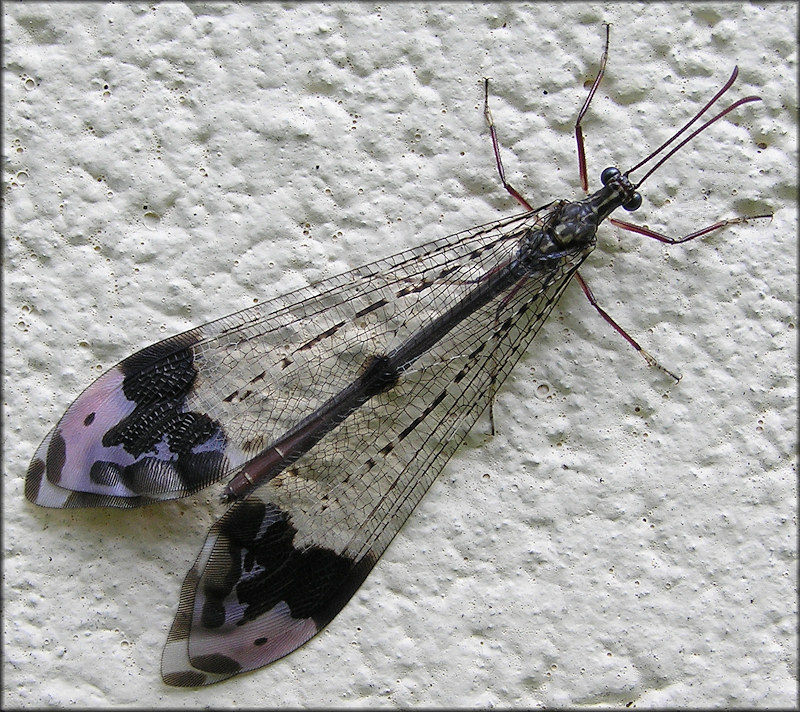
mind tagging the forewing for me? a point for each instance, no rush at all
(280, 564)
(186, 412)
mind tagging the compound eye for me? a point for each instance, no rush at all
(633, 203)
(608, 174)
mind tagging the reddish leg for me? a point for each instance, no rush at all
(514, 193)
(578, 130)
(625, 335)
(678, 240)
(585, 185)
(488, 114)
(670, 241)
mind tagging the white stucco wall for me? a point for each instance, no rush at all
(621, 539)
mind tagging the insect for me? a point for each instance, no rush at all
(328, 411)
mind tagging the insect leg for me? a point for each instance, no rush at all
(488, 114)
(678, 240)
(651, 361)
(584, 108)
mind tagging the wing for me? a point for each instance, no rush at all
(188, 411)
(280, 564)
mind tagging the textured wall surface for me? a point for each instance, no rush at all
(622, 539)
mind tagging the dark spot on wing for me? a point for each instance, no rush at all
(216, 663)
(421, 287)
(105, 473)
(263, 567)
(187, 430)
(324, 335)
(147, 426)
(162, 371)
(56, 457)
(176, 450)
(448, 271)
(372, 307)
(429, 408)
